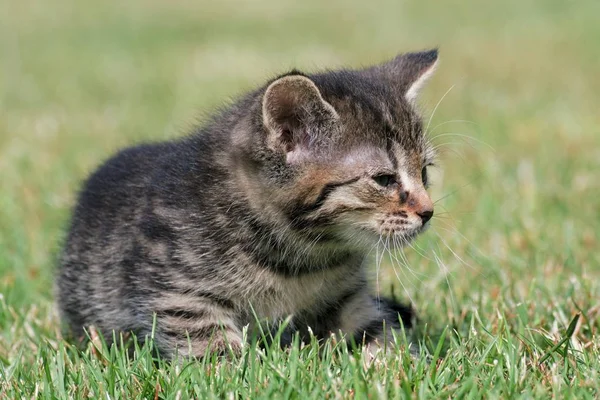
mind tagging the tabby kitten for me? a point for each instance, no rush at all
(268, 211)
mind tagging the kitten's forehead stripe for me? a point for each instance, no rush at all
(371, 112)
(369, 109)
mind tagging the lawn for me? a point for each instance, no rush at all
(507, 281)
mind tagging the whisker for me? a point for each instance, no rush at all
(418, 247)
(445, 272)
(450, 150)
(452, 192)
(437, 146)
(377, 271)
(454, 253)
(436, 107)
(443, 216)
(452, 121)
(447, 147)
(404, 261)
(414, 273)
(414, 247)
(463, 136)
(396, 273)
(455, 231)
(450, 215)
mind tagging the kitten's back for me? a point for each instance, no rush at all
(108, 207)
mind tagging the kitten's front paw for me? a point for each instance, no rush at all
(223, 347)
(218, 343)
(374, 351)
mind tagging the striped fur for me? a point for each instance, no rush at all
(268, 211)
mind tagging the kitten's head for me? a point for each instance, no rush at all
(342, 155)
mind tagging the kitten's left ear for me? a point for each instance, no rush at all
(296, 116)
(410, 71)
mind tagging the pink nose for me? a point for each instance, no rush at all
(418, 202)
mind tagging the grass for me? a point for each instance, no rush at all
(499, 281)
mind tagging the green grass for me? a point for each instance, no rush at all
(520, 191)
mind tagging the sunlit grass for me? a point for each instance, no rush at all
(511, 258)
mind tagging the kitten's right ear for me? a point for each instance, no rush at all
(295, 115)
(408, 72)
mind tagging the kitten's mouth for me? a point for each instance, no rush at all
(395, 232)
(402, 237)
(395, 238)
(401, 231)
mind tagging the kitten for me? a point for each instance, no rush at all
(268, 211)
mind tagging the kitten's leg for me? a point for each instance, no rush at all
(374, 320)
(196, 326)
(362, 318)
(368, 320)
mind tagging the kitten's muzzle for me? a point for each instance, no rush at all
(418, 202)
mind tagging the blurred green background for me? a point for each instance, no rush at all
(519, 129)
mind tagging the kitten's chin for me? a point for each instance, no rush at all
(358, 237)
(367, 238)
(401, 238)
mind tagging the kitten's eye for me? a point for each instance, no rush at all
(424, 176)
(385, 180)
